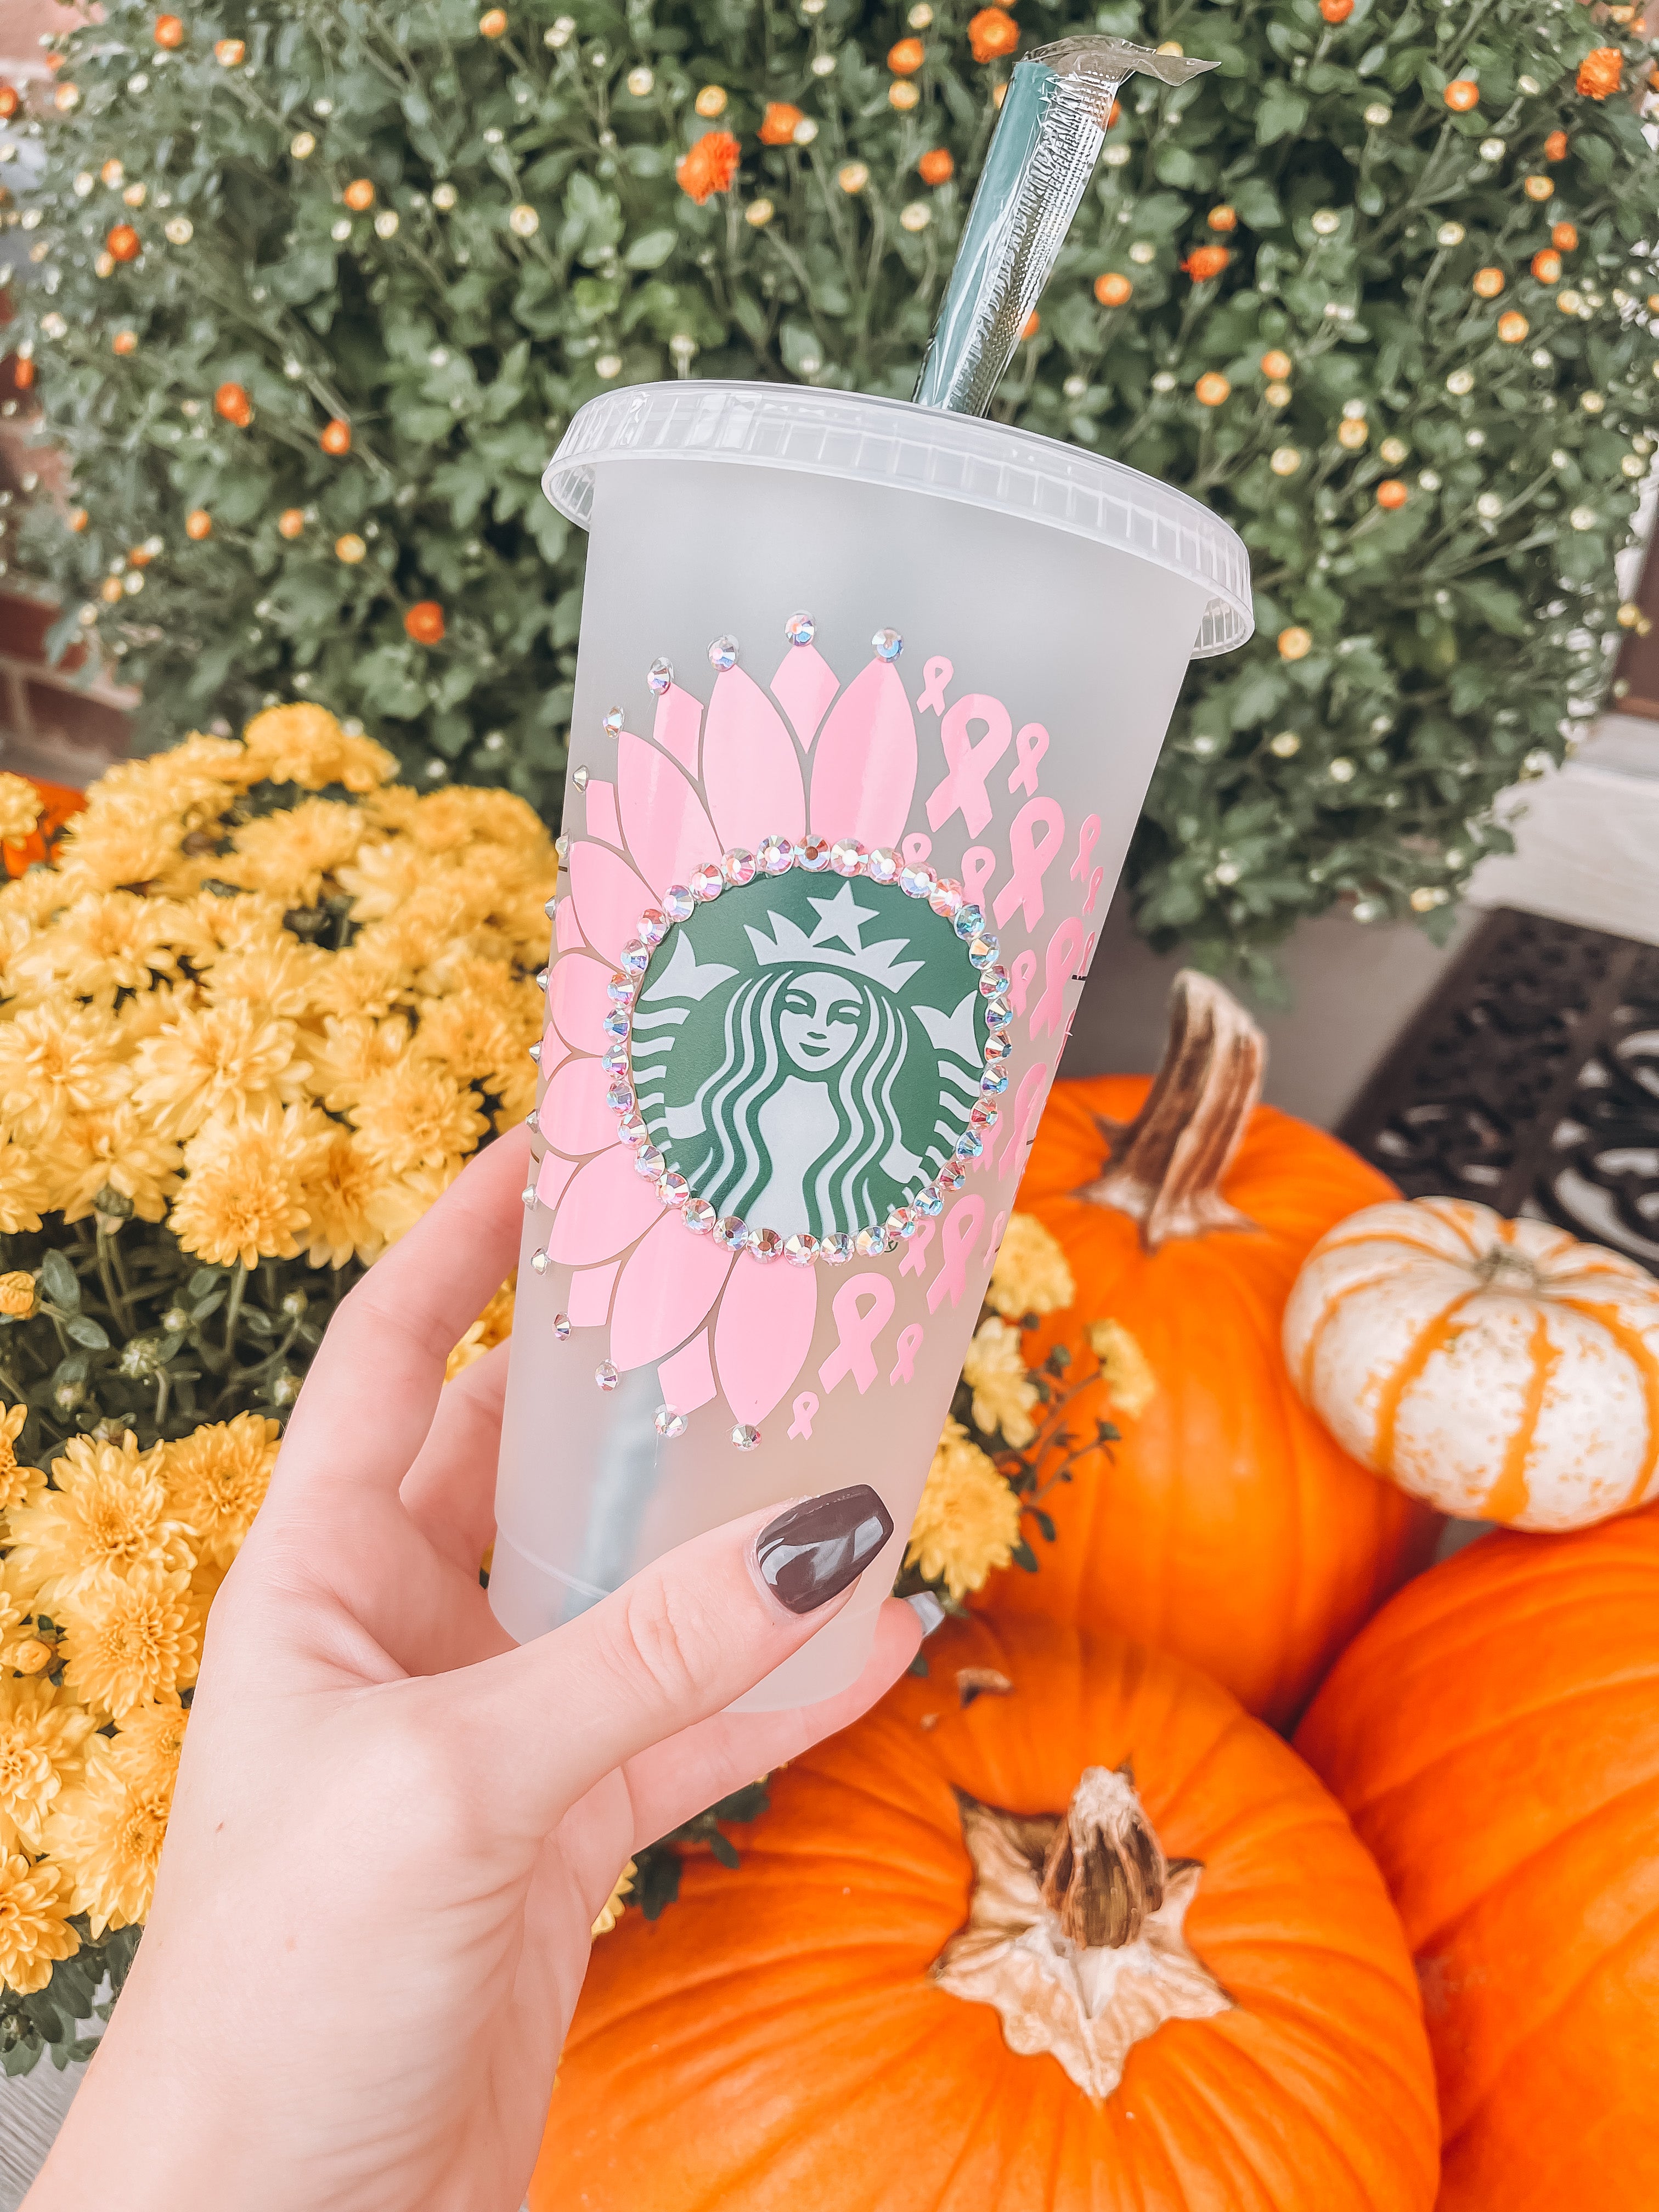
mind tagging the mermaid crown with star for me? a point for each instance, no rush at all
(835, 942)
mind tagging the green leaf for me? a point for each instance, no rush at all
(651, 250)
(1280, 115)
(59, 1281)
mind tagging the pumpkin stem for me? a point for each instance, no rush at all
(1104, 1870)
(1168, 1164)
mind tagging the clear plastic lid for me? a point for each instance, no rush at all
(890, 441)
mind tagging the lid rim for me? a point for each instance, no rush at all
(858, 436)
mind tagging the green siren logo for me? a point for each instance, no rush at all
(810, 1052)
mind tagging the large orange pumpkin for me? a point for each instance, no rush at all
(1227, 1526)
(1494, 1735)
(881, 2011)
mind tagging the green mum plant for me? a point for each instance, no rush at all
(1375, 289)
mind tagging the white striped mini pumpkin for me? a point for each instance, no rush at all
(1500, 1370)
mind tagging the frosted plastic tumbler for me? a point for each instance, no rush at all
(867, 699)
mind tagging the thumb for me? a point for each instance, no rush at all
(677, 1643)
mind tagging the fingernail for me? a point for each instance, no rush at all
(812, 1551)
(927, 1609)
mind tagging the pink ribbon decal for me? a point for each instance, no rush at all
(1028, 1106)
(1030, 859)
(937, 674)
(961, 1225)
(1083, 965)
(916, 847)
(1030, 745)
(1019, 979)
(995, 1238)
(858, 1324)
(915, 1262)
(963, 790)
(909, 1344)
(803, 1409)
(979, 865)
(1091, 879)
(1058, 962)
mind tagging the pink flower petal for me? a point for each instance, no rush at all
(601, 815)
(609, 896)
(590, 1296)
(680, 717)
(576, 1001)
(751, 769)
(573, 1113)
(566, 930)
(804, 686)
(763, 1333)
(554, 1174)
(668, 831)
(865, 769)
(687, 1380)
(667, 1288)
(607, 1206)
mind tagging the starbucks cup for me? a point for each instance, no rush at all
(867, 698)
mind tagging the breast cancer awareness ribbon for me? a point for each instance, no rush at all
(961, 1225)
(979, 865)
(916, 847)
(915, 1262)
(1087, 838)
(937, 674)
(1058, 962)
(862, 1307)
(1023, 1121)
(803, 1409)
(995, 1237)
(909, 1344)
(1030, 856)
(963, 791)
(1020, 979)
(1030, 746)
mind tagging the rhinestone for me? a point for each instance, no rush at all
(764, 1244)
(707, 882)
(561, 1326)
(946, 897)
(776, 855)
(801, 1249)
(636, 955)
(699, 1216)
(800, 629)
(998, 1014)
(903, 1221)
(872, 1241)
(673, 1188)
(679, 902)
(848, 857)
(614, 1060)
(654, 926)
(613, 724)
(632, 1130)
(723, 654)
(535, 1052)
(649, 1161)
(836, 1249)
(578, 777)
(527, 1195)
(970, 1145)
(745, 1436)
(562, 847)
(982, 950)
(968, 921)
(671, 1422)
(538, 1260)
(888, 643)
(660, 675)
(951, 1175)
(993, 1083)
(991, 980)
(918, 882)
(541, 979)
(996, 1048)
(730, 1232)
(620, 989)
(605, 1375)
(738, 866)
(813, 855)
(985, 1117)
(929, 1201)
(616, 1023)
(620, 1098)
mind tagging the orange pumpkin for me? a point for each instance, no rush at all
(1494, 1737)
(1227, 1526)
(881, 2008)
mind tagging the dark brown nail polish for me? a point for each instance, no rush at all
(811, 1552)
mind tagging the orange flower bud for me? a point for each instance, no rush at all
(492, 24)
(358, 195)
(1295, 643)
(907, 58)
(169, 32)
(1391, 493)
(123, 243)
(1276, 365)
(1205, 262)
(1211, 389)
(231, 401)
(125, 342)
(1336, 11)
(992, 34)
(937, 166)
(22, 374)
(778, 124)
(1546, 265)
(1488, 283)
(709, 166)
(1600, 72)
(1032, 326)
(291, 521)
(198, 523)
(1513, 327)
(1555, 146)
(335, 437)
(10, 102)
(1461, 94)
(425, 623)
(1565, 236)
(1113, 290)
(1222, 218)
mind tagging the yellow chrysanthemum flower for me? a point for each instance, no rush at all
(18, 1484)
(221, 1060)
(477, 1042)
(22, 1188)
(1124, 1367)
(283, 978)
(242, 1197)
(1005, 1396)
(304, 744)
(21, 808)
(968, 1521)
(107, 942)
(54, 1061)
(290, 854)
(352, 1049)
(107, 1834)
(616, 1904)
(413, 1117)
(109, 1514)
(343, 1194)
(42, 1740)
(216, 1479)
(493, 1327)
(113, 1145)
(1032, 1274)
(249, 922)
(34, 1930)
(16, 1296)
(129, 1640)
(128, 838)
(386, 875)
(146, 1747)
(364, 980)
